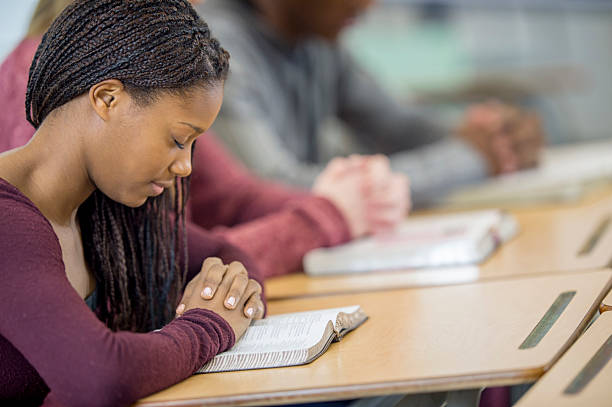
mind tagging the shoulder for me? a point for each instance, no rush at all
(240, 31)
(16, 207)
(25, 234)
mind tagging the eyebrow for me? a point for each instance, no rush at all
(196, 128)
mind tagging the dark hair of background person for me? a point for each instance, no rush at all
(154, 47)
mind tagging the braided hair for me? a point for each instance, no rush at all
(138, 256)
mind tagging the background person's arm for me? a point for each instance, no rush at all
(243, 128)
(434, 160)
(273, 224)
(224, 192)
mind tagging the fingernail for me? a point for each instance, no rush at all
(231, 301)
(180, 309)
(250, 311)
(207, 292)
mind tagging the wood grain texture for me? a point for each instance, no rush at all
(551, 388)
(549, 240)
(416, 340)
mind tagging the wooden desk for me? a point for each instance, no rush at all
(562, 239)
(576, 379)
(606, 305)
(416, 340)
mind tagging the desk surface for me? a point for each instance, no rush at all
(416, 340)
(606, 305)
(561, 239)
(582, 377)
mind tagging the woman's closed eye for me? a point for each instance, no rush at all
(178, 144)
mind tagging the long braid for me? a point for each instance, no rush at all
(141, 281)
(138, 256)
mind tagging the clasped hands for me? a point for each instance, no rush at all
(508, 137)
(369, 195)
(228, 291)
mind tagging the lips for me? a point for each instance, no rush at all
(159, 186)
(164, 184)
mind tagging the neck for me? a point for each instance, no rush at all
(51, 171)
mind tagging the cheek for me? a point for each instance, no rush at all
(143, 150)
(125, 158)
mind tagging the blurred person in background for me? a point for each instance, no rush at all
(289, 76)
(274, 224)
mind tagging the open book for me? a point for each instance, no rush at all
(287, 339)
(432, 241)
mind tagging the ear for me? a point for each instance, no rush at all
(106, 96)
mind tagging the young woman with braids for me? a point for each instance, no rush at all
(93, 208)
(274, 224)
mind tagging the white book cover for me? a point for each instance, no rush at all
(427, 242)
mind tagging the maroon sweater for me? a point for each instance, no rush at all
(52, 345)
(272, 223)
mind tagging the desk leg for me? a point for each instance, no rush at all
(463, 398)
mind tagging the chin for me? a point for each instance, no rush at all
(132, 202)
(136, 204)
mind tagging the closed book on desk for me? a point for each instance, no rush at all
(287, 339)
(427, 242)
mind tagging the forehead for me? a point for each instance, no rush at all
(198, 105)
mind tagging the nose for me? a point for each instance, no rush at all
(181, 166)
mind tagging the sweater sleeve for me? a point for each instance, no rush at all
(273, 224)
(78, 357)
(419, 147)
(278, 242)
(377, 119)
(224, 192)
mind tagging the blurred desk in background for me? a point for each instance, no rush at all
(567, 173)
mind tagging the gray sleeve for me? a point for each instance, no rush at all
(260, 149)
(377, 119)
(435, 161)
(243, 124)
(437, 168)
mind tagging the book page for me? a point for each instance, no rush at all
(281, 340)
(287, 331)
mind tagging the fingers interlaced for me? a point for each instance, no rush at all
(212, 279)
(238, 280)
(253, 307)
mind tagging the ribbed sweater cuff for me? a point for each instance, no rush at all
(216, 330)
